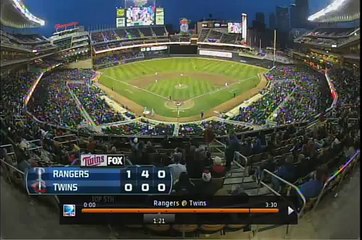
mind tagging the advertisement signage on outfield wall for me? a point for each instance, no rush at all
(215, 53)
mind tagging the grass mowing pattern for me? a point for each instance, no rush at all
(205, 93)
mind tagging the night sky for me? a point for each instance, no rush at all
(102, 13)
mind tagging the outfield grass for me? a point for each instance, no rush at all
(202, 80)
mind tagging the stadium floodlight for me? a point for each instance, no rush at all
(22, 8)
(330, 8)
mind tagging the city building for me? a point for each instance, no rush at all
(272, 21)
(282, 17)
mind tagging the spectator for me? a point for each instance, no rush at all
(136, 148)
(24, 144)
(206, 175)
(176, 169)
(313, 187)
(196, 166)
(177, 155)
(209, 135)
(92, 144)
(218, 170)
(184, 186)
(208, 160)
(286, 171)
(268, 165)
(232, 146)
(149, 147)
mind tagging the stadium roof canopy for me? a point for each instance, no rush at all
(338, 11)
(15, 14)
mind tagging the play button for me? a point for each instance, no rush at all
(290, 210)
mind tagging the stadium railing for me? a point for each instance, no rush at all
(335, 180)
(66, 139)
(290, 185)
(242, 162)
(217, 148)
(300, 194)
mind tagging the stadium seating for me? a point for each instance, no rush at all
(121, 33)
(203, 34)
(296, 94)
(110, 36)
(91, 99)
(326, 37)
(210, 35)
(228, 38)
(214, 36)
(159, 31)
(110, 39)
(146, 32)
(285, 101)
(133, 33)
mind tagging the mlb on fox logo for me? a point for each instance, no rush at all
(115, 160)
(69, 210)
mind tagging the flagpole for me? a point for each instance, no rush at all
(275, 45)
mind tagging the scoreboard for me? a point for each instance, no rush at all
(120, 18)
(132, 180)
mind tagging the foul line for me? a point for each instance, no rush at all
(196, 97)
(223, 88)
(142, 89)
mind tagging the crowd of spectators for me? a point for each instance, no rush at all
(190, 129)
(258, 112)
(310, 97)
(14, 90)
(219, 128)
(141, 128)
(222, 128)
(116, 58)
(91, 98)
(347, 83)
(296, 93)
(52, 102)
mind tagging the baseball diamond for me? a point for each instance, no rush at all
(201, 84)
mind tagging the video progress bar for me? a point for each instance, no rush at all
(180, 210)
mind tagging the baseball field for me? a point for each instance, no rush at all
(181, 88)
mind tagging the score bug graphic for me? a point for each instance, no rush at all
(144, 180)
(100, 180)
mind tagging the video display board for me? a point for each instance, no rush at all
(120, 22)
(160, 16)
(120, 12)
(184, 25)
(120, 17)
(140, 12)
(234, 28)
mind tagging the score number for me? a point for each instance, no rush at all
(145, 181)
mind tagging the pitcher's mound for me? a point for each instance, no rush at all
(181, 105)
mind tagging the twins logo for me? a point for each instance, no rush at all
(90, 160)
(39, 184)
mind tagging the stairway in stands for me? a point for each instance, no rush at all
(235, 177)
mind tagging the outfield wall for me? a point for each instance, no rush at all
(189, 51)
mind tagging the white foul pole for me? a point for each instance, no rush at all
(275, 45)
